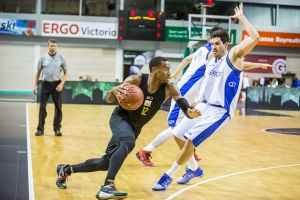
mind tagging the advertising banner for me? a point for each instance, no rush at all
(278, 61)
(17, 27)
(181, 34)
(276, 39)
(95, 30)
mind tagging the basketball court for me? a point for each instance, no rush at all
(241, 161)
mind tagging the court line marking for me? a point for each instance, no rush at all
(29, 160)
(225, 176)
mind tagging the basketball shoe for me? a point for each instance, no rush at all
(162, 183)
(61, 181)
(144, 156)
(189, 175)
(110, 192)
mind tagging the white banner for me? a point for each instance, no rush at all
(79, 29)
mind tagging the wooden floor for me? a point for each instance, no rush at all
(240, 161)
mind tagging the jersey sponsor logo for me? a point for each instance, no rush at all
(149, 98)
(171, 122)
(145, 110)
(147, 103)
(232, 84)
(198, 55)
(214, 73)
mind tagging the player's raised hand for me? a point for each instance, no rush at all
(173, 76)
(238, 11)
(193, 113)
(265, 66)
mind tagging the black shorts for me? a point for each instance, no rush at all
(121, 128)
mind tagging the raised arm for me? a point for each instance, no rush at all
(250, 65)
(240, 50)
(115, 93)
(187, 60)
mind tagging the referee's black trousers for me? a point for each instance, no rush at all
(47, 89)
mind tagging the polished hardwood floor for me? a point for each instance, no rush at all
(240, 161)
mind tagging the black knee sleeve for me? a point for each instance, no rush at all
(97, 164)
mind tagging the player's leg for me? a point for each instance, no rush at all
(118, 149)
(212, 120)
(167, 177)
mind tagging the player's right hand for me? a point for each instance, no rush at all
(121, 90)
(193, 113)
(173, 76)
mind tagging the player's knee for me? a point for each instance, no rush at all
(129, 142)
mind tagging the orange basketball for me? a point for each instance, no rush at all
(133, 98)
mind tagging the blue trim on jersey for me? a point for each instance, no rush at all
(231, 87)
(208, 47)
(183, 90)
(231, 65)
(209, 130)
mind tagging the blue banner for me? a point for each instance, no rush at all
(17, 27)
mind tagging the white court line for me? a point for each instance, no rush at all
(225, 176)
(30, 174)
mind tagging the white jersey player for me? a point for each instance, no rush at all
(218, 95)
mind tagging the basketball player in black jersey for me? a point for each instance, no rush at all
(126, 125)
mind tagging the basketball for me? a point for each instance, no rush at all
(133, 98)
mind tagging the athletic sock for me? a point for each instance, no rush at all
(193, 164)
(171, 172)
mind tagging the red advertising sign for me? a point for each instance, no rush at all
(276, 39)
(278, 61)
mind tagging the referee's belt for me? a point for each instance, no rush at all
(219, 106)
(52, 82)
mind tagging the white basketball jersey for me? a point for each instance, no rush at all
(222, 84)
(198, 61)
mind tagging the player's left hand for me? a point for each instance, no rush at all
(265, 66)
(193, 113)
(59, 88)
(238, 12)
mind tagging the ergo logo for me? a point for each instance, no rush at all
(63, 28)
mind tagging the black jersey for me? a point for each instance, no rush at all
(151, 104)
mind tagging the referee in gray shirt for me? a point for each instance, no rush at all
(51, 65)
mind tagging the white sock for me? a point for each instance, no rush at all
(192, 163)
(150, 147)
(171, 172)
(159, 140)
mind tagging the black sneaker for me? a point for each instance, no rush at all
(39, 133)
(61, 181)
(58, 133)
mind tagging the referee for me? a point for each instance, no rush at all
(52, 64)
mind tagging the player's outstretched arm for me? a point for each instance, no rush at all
(240, 50)
(117, 91)
(187, 60)
(173, 91)
(250, 65)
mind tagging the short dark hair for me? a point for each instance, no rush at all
(51, 41)
(219, 32)
(156, 61)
